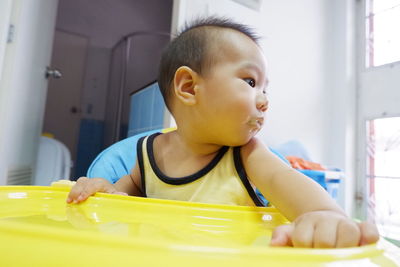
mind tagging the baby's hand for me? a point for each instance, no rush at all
(324, 229)
(85, 187)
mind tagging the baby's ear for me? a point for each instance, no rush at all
(185, 81)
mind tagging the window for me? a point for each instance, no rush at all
(382, 32)
(383, 175)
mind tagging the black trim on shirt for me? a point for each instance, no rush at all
(243, 176)
(139, 151)
(185, 179)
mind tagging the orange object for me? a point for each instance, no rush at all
(302, 164)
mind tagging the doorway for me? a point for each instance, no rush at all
(78, 105)
(63, 104)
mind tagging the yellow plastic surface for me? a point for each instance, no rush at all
(38, 228)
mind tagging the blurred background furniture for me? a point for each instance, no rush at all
(53, 162)
(328, 177)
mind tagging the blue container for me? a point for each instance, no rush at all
(318, 176)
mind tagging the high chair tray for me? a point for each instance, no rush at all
(38, 228)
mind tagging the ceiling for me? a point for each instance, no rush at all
(105, 22)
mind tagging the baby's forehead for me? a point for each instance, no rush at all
(219, 37)
(227, 45)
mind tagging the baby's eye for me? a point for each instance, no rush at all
(250, 81)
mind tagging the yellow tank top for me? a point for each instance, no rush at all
(222, 181)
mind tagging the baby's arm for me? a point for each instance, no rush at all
(317, 220)
(86, 187)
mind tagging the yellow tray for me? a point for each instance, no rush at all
(38, 228)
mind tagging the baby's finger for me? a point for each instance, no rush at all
(369, 233)
(282, 236)
(325, 234)
(91, 186)
(348, 234)
(303, 234)
(76, 189)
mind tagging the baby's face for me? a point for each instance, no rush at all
(232, 98)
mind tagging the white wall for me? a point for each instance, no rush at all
(5, 11)
(342, 83)
(295, 47)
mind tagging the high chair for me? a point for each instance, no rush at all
(118, 159)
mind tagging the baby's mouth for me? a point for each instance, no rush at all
(258, 122)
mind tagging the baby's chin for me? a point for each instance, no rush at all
(240, 141)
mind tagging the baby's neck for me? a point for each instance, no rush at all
(188, 145)
(178, 157)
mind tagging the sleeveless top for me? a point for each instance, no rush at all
(222, 181)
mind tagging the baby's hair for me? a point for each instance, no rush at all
(191, 48)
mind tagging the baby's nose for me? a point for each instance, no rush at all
(262, 102)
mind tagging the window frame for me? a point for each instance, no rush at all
(362, 5)
(364, 111)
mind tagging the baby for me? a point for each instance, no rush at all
(213, 80)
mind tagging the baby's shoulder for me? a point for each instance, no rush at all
(259, 161)
(254, 143)
(255, 148)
